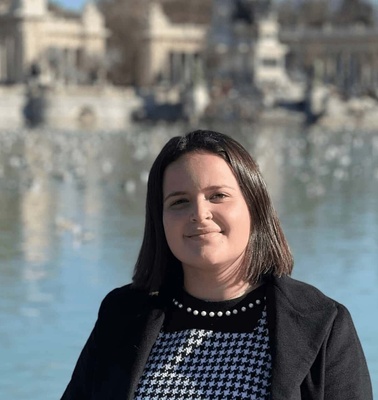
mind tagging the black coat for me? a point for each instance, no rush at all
(316, 353)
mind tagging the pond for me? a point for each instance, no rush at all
(71, 222)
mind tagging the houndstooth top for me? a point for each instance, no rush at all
(210, 350)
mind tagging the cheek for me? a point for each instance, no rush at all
(239, 216)
(170, 229)
(166, 226)
(242, 223)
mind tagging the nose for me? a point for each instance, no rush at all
(201, 211)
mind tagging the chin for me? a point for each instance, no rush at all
(206, 263)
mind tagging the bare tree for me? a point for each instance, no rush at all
(317, 13)
(125, 20)
(311, 13)
(194, 11)
(353, 12)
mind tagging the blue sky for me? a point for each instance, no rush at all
(71, 4)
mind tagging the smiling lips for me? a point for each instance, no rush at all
(203, 234)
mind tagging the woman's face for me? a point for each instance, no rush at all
(206, 219)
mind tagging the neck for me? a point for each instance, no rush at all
(208, 288)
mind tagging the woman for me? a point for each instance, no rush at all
(212, 312)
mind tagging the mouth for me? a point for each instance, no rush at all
(203, 234)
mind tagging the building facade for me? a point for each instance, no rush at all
(60, 47)
(53, 69)
(346, 58)
(242, 42)
(172, 52)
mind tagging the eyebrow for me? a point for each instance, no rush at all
(182, 193)
(173, 194)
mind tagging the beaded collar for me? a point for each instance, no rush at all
(228, 308)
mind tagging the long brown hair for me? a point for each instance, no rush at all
(267, 251)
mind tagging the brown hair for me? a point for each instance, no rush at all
(267, 250)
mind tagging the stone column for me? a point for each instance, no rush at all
(2, 62)
(170, 68)
(181, 68)
(185, 69)
(175, 68)
(340, 70)
(353, 71)
(334, 68)
(366, 72)
(346, 70)
(12, 67)
(71, 69)
(166, 71)
(61, 64)
(375, 71)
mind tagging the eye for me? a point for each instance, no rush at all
(218, 196)
(178, 202)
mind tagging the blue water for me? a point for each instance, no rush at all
(71, 221)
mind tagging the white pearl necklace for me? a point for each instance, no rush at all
(219, 314)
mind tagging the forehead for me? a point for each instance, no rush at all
(198, 168)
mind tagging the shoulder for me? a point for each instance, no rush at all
(314, 314)
(302, 296)
(306, 301)
(124, 293)
(126, 300)
(122, 309)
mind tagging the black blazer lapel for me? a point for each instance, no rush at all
(143, 345)
(299, 318)
(130, 326)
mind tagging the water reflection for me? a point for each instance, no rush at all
(37, 212)
(71, 220)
